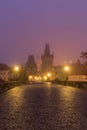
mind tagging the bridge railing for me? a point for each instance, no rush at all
(8, 85)
(79, 84)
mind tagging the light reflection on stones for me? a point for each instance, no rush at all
(38, 107)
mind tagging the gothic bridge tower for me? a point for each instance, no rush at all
(47, 60)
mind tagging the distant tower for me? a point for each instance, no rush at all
(31, 65)
(47, 60)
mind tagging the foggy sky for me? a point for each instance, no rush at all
(26, 25)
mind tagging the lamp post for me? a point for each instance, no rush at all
(30, 78)
(66, 70)
(16, 70)
(49, 76)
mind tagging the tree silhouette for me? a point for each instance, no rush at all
(84, 56)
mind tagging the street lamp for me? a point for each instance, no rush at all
(66, 68)
(45, 78)
(30, 77)
(49, 76)
(16, 70)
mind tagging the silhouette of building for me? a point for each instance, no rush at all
(31, 66)
(4, 72)
(47, 60)
(77, 72)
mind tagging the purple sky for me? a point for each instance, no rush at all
(26, 25)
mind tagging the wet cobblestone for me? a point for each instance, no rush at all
(43, 107)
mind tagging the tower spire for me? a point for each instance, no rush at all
(47, 50)
(47, 60)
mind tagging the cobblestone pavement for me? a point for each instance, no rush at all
(43, 107)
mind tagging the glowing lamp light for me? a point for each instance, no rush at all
(66, 68)
(30, 77)
(16, 68)
(45, 77)
(49, 74)
(36, 78)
